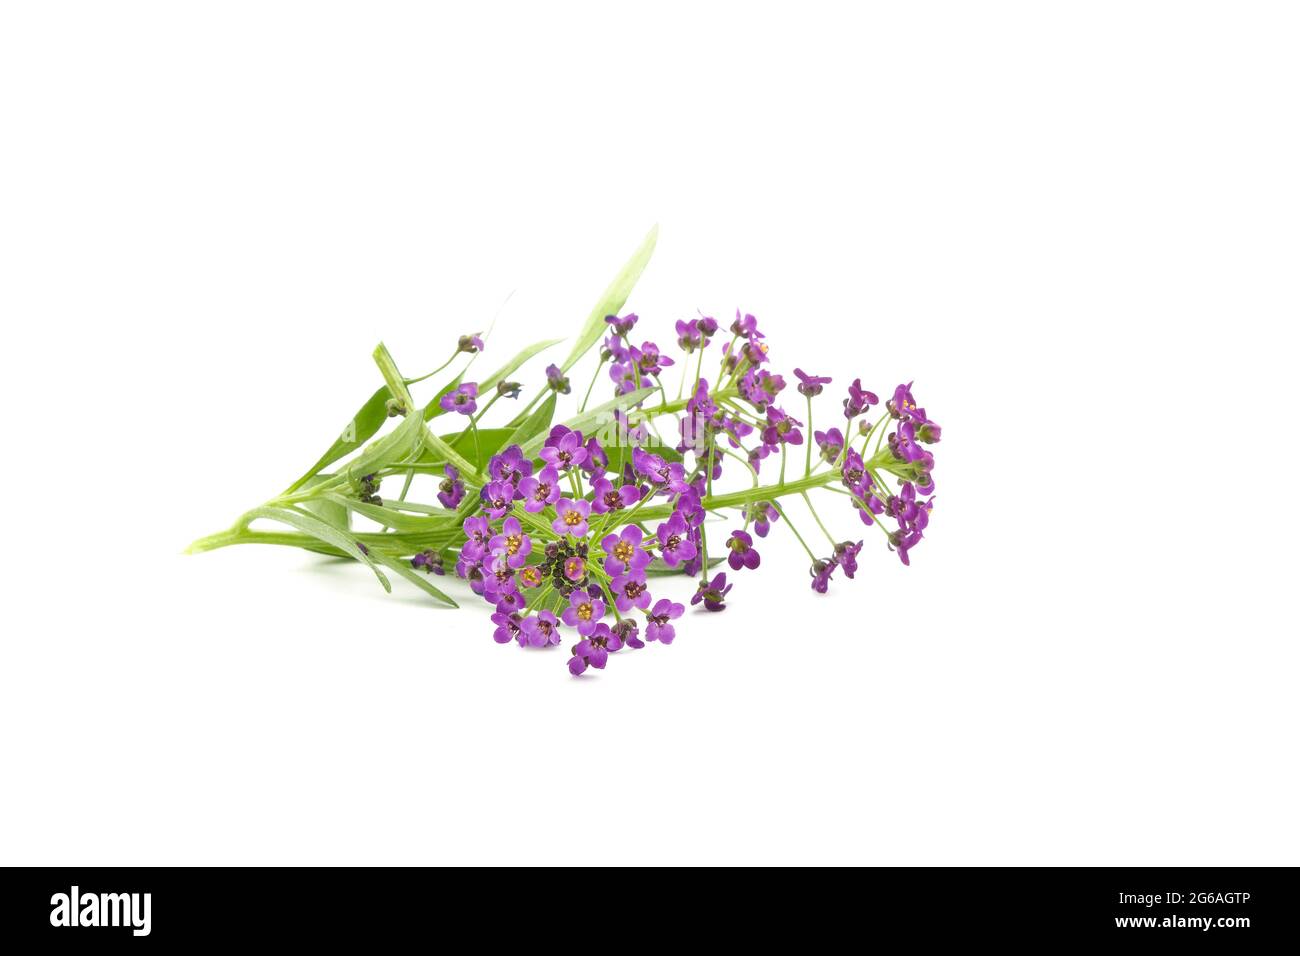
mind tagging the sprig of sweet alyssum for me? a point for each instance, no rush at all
(564, 528)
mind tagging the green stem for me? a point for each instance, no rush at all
(817, 518)
(812, 557)
(808, 440)
(585, 398)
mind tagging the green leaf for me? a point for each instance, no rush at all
(537, 423)
(331, 512)
(368, 420)
(600, 415)
(612, 300)
(505, 371)
(418, 578)
(392, 518)
(310, 524)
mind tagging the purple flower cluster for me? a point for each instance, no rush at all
(558, 542)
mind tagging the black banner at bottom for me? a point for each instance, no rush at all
(138, 907)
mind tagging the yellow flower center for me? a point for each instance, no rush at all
(513, 544)
(572, 518)
(584, 612)
(623, 551)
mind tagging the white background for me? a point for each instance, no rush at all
(1075, 225)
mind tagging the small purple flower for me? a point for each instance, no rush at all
(462, 399)
(608, 498)
(530, 576)
(451, 490)
(782, 428)
(747, 326)
(507, 603)
(649, 359)
(572, 517)
(821, 572)
(564, 450)
(597, 461)
(429, 561)
(624, 551)
(904, 406)
(509, 465)
(540, 630)
(626, 631)
(556, 380)
(630, 590)
(584, 612)
(621, 326)
(760, 387)
(859, 400)
(627, 377)
(689, 336)
(470, 343)
(764, 515)
(846, 554)
(713, 593)
(657, 627)
(477, 534)
(575, 568)
(498, 496)
(595, 650)
(831, 444)
(741, 553)
(674, 544)
(508, 626)
(540, 491)
(513, 542)
(810, 385)
(902, 542)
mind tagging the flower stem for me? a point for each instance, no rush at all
(817, 518)
(585, 398)
(808, 440)
(781, 512)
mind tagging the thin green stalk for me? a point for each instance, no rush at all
(817, 518)
(812, 557)
(808, 440)
(587, 397)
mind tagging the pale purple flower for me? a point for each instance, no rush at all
(810, 385)
(584, 612)
(674, 544)
(713, 593)
(741, 552)
(513, 542)
(608, 498)
(657, 626)
(540, 490)
(630, 590)
(540, 630)
(572, 517)
(461, 399)
(564, 450)
(624, 550)
(451, 490)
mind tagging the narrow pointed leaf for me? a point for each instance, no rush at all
(612, 300)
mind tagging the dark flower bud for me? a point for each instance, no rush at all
(929, 433)
(556, 380)
(470, 343)
(395, 407)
